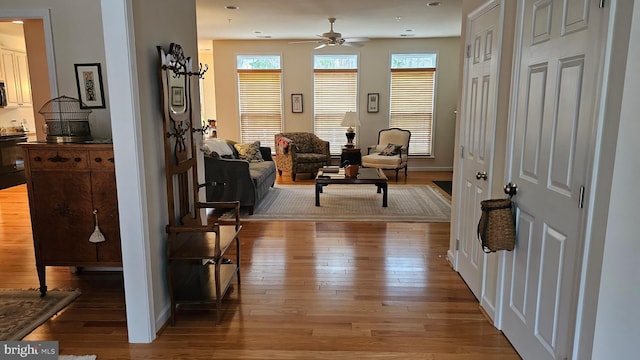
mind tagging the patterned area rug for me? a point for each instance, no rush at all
(406, 203)
(21, 311)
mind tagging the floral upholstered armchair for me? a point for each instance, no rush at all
(300, 152)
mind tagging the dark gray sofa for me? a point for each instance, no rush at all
(229, 178)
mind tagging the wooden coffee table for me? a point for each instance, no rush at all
(327, 176)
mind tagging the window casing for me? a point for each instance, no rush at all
(335, 92)
(411, 103)
(259, 98)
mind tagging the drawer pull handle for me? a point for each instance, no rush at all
(111, 160)
(37, 158)
(58, 159)
(98, 160)
(77, 159)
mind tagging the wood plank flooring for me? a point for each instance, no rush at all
(310, 290)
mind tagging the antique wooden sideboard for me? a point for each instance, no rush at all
(66, 184)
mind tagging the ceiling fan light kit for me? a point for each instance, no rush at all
(332, 38)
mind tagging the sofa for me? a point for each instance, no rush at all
(229, 177)
(300, 152)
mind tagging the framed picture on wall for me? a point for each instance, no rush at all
(89, 82)
(372, 102)
(296, 103)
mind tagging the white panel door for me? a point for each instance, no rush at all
(557, 86)
(477, 140)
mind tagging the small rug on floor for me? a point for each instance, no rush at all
(21, 311)
(406, 203)
(444, 185)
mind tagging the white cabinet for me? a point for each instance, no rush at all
(15, 70)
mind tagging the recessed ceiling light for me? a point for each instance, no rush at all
(231, 7)
(257, 32)
(398, 18)
(18, 22)
(409, 30)
(435, 3)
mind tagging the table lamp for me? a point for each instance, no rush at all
(350, 119)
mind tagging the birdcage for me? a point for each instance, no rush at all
(65, 120)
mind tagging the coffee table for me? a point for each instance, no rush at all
(328, 176)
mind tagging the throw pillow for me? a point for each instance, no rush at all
(218, 146)
(391, 150)
(249, 152)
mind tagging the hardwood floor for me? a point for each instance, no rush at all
(325, 290)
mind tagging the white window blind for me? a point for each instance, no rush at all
(335, 92)
(260, 98)
(411, 106)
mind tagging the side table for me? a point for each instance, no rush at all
(352, 154)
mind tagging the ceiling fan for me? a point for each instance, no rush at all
(333, 38)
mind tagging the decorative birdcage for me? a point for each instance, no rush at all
(65, 120)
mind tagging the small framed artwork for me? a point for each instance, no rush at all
(296, 103)
(177, 96)
(89, 82)
(372, 102)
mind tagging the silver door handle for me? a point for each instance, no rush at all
(511, 189)
(481, 175)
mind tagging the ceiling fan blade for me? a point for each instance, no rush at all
(305, 41)
(355, 39)
(320, 46)
(352, 44)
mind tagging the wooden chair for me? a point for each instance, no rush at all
(385, 156)
(197, 269)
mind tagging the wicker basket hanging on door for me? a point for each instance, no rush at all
(65, 120)
(496, 228)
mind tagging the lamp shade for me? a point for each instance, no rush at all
(350, 119)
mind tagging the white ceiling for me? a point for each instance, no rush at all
(305, 19)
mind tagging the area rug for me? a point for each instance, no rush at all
(21, 311)
(406, 203)
(444, 185)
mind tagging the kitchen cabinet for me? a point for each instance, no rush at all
(66, 183)
(15, 73)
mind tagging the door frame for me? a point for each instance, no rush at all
(492, 310)
(599, 173)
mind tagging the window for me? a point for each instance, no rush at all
(411, 98)
(335, 91)
(260, 98)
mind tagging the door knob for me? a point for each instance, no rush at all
(481, 175)
(511, 189)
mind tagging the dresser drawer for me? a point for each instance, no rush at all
(58, 159)
(101, 160)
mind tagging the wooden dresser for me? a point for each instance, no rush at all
(66, 183)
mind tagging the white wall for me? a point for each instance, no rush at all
(374, 59)
(617, 328)
(77, 30)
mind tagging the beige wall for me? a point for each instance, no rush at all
(297, 60)
(38, 69)
(171, 21)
